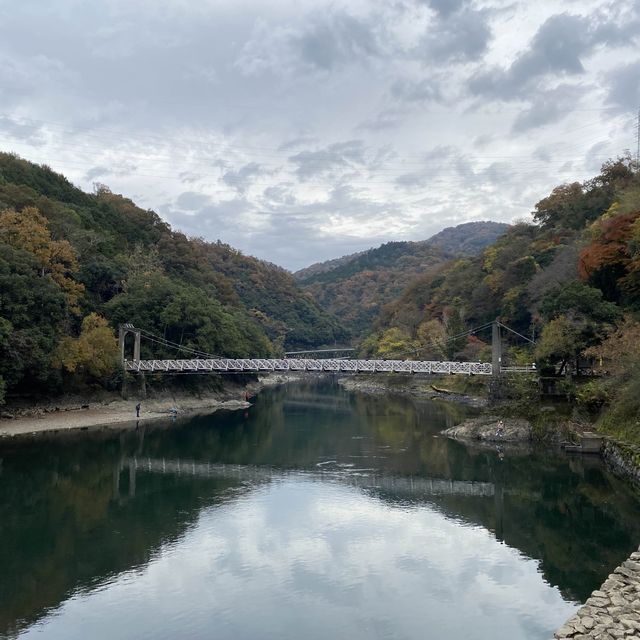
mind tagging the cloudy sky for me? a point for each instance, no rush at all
(302, 130)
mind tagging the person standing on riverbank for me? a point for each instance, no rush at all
(138, 410)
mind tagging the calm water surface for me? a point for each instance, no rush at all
(315, 514)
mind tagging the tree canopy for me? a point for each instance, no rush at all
(74, 265)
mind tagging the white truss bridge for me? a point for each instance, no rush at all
(337, 365)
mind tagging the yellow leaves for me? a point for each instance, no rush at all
(395, 343)
(28, 230)
(494, 281)
(432, 336)
(490, 257)
(94, 352)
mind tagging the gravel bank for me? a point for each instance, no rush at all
(68, 414)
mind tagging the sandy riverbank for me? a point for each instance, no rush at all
(117, 412)
(67, 414)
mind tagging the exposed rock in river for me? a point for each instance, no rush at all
(491, 428)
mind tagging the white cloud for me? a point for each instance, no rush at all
(300, 130)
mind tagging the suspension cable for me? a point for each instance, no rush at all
(445, 341)
(174, 345)
(504, 326)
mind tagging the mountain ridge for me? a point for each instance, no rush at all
(447, 239)
(355, 288)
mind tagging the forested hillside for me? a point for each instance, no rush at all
(356, 287)
(571, 278)
(74, 265)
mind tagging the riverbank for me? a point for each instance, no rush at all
(613, 611)
(423, 388)
(621, 458)
(69, 413)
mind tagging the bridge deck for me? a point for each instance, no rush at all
(234, 365)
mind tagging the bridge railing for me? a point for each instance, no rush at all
(337, 365)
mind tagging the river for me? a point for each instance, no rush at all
(316, 513)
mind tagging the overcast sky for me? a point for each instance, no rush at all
(302, 130)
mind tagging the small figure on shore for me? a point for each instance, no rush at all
(246, 396)
(138, 410)
(500, 429)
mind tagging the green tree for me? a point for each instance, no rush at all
(560, 341)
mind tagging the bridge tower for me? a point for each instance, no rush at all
(496, 347)
(123, 331)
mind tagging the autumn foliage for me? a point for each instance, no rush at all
(612, 260)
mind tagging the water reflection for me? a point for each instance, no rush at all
(318, 513)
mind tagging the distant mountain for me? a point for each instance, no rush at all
(323, 267)
(357, 286)
(468, 239)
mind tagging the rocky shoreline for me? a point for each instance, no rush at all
(620, 459)
(613, 611)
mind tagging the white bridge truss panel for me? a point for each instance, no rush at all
(256, 365)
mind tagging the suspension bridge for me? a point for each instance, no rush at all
(202, 362)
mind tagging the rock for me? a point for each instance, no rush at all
(492, 429)
(623, 571)
(618, 600)
(634, 567)
(613, 611)
(565, 632)
(600, 603)
(579, 627)
(587, 622)
(630, 624)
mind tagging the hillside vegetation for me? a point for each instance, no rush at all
(571, 279)
(74, 265)
(356, 287)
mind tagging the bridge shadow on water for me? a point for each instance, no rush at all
(76, 511)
